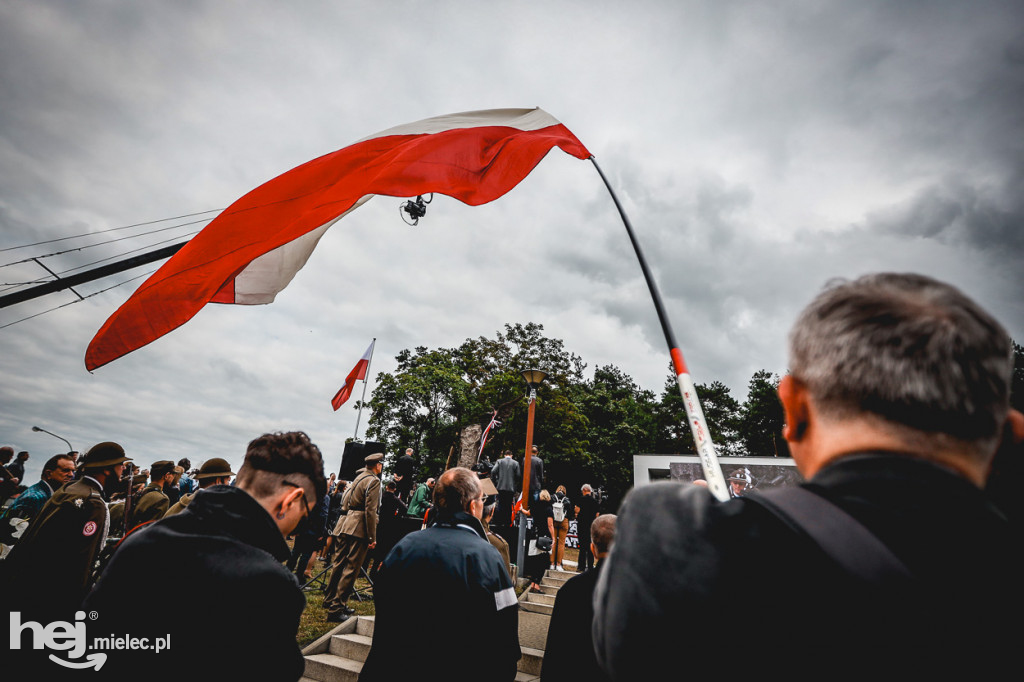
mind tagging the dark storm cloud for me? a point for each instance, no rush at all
(758, 148)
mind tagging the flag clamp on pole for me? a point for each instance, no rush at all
(694, 414)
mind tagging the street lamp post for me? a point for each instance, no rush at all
(70, 449)
(533, 378)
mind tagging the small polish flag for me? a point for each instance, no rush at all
(358, 373)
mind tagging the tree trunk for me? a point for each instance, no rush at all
(469, 445)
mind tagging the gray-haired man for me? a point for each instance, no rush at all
(896, 399)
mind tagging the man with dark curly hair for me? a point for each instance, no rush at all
(227, 547)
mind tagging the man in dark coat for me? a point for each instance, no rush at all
(227, 548)
(405, 467)
(453, 563)
(586, 511)
(52, 563)
(896, 399)
(569, 651)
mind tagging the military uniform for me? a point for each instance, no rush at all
(152, 505)
(180, 505)
(212, 468)
(154, 502)
(53, 561)
(358, 530)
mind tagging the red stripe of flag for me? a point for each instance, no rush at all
(358, 373)
(252, 249)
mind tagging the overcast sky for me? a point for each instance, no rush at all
(759, 148)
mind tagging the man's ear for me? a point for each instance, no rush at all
(1016, 421)
(794, 398)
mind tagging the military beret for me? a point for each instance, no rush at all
(104, 455)
(374, 458)
(158, 469)
(215, 467)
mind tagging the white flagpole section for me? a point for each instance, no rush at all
(373, 344)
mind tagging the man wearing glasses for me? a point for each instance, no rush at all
(57, 471)
(227, 548)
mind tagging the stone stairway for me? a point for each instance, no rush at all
(338, 656)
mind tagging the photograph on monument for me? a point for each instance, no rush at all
(746, 473)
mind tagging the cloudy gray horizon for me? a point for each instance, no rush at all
(759, 149)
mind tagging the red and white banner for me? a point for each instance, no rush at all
(358, 373)
(252, 249)
(483, 439)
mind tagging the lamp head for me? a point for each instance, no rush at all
(534, 377)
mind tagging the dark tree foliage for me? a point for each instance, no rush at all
(433, 394)
(761, 424)
(587, 430)
(722, 413)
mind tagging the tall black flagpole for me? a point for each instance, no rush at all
(695, 415)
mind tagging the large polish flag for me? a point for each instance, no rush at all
(251, 251)
(358, 373)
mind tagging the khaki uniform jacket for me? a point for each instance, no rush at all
(52, 562)
(362, 502)
(180, 505)
(153, 504)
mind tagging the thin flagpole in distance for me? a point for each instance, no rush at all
(373, 344)
(694, 414)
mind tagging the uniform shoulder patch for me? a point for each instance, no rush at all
(89, 529)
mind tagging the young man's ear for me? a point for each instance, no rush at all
(794, 398)
(1016, 421)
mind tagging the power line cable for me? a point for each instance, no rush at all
(109, 241)
(14, 285)
(114, 229)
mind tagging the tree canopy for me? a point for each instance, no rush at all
(586, 428)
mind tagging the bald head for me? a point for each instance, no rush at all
(456, 491)
(602, 534)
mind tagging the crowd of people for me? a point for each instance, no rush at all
(892, 553)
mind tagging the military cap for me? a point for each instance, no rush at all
(139, 479)
(104, 454)
(739, 475)
(215, 467)
(374, 458)
(158, 469)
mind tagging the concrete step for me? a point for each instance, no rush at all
(331, 668)
(353, 646)
(536, 607)
(531, 661)
(526, 677)
(533, 629)
(542, 597)
(364, 626)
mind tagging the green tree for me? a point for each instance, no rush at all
(721, 412)
(433, 394)
(620, 422)
(762, 418)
